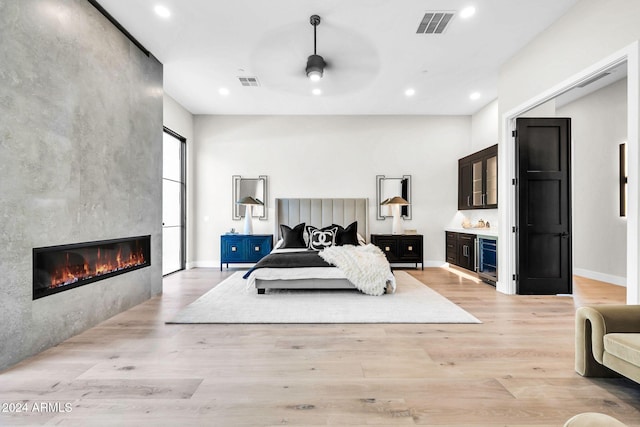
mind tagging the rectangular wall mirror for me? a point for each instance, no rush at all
(253, 187)
(388, 187)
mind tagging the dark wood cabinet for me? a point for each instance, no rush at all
(452, 247)
(244, 248)
(478, 180)
(461, 249)
(401, 248)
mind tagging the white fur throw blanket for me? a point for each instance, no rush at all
(365, 266)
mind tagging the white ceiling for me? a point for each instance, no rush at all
(371, 45)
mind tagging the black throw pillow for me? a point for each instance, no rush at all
(347, 236)
(292, 237)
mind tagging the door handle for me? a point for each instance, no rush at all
(468, 200)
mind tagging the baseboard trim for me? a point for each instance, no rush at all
(602, 277)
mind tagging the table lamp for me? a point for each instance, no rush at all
(249, 202)
(395, 203)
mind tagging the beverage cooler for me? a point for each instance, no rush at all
(487, 254)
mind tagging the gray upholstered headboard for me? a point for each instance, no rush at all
(323, 212)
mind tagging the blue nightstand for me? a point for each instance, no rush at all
(244, 248)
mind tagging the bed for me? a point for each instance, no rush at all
(320, 213)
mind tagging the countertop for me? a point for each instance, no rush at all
(493, 232)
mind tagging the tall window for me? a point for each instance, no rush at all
(173, 201)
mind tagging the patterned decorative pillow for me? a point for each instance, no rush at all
(292, 237)
(320, 238)
(347, 236)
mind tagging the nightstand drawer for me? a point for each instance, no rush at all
(389, 247)
(410, 249)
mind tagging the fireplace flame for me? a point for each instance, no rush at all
(86, 266)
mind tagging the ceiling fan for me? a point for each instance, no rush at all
(315, 62)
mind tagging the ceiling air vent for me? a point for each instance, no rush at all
(434, 22)
(249, 81)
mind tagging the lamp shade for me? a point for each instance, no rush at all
(248, 200)
(397, 200)
(315, 67)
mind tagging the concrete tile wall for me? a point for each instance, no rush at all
(80, 160)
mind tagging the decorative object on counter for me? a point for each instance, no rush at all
(249, 187)
(232, 231)
(410, 231)
(249, 202)
(480, 224)
(466, 223)
(395, 203)
(487, 225)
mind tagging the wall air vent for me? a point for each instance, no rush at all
(249, 81)
(434, 22)
(593, 79)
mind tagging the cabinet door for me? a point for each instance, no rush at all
(452, 247)
(258, 247)
(477, 173)
(389, 246)
(464, 184)
(491, 181)
(466, 251)
(232, 249)
(410, 248)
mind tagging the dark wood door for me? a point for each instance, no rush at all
(543, 197)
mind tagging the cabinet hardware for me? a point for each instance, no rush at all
(410, 248)
(257, 248)
(387, 248)
(468, 200)
(233, 249)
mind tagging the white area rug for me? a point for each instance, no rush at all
(233, 302)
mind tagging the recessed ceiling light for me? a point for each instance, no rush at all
(162, 11)
(467, 12)
(410, 92)
(474, 96)
(316, 91)
(223, 91)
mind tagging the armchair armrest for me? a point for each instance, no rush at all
(592, 324)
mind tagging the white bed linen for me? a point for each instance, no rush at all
(295, 272)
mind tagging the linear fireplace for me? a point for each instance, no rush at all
(59, 268)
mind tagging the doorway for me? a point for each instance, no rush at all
(173, 201)
(507, 254)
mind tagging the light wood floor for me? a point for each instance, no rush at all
(516, 368)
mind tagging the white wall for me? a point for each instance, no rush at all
(598, 126)
(484, 127)
(327, 156)
(179, 120)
